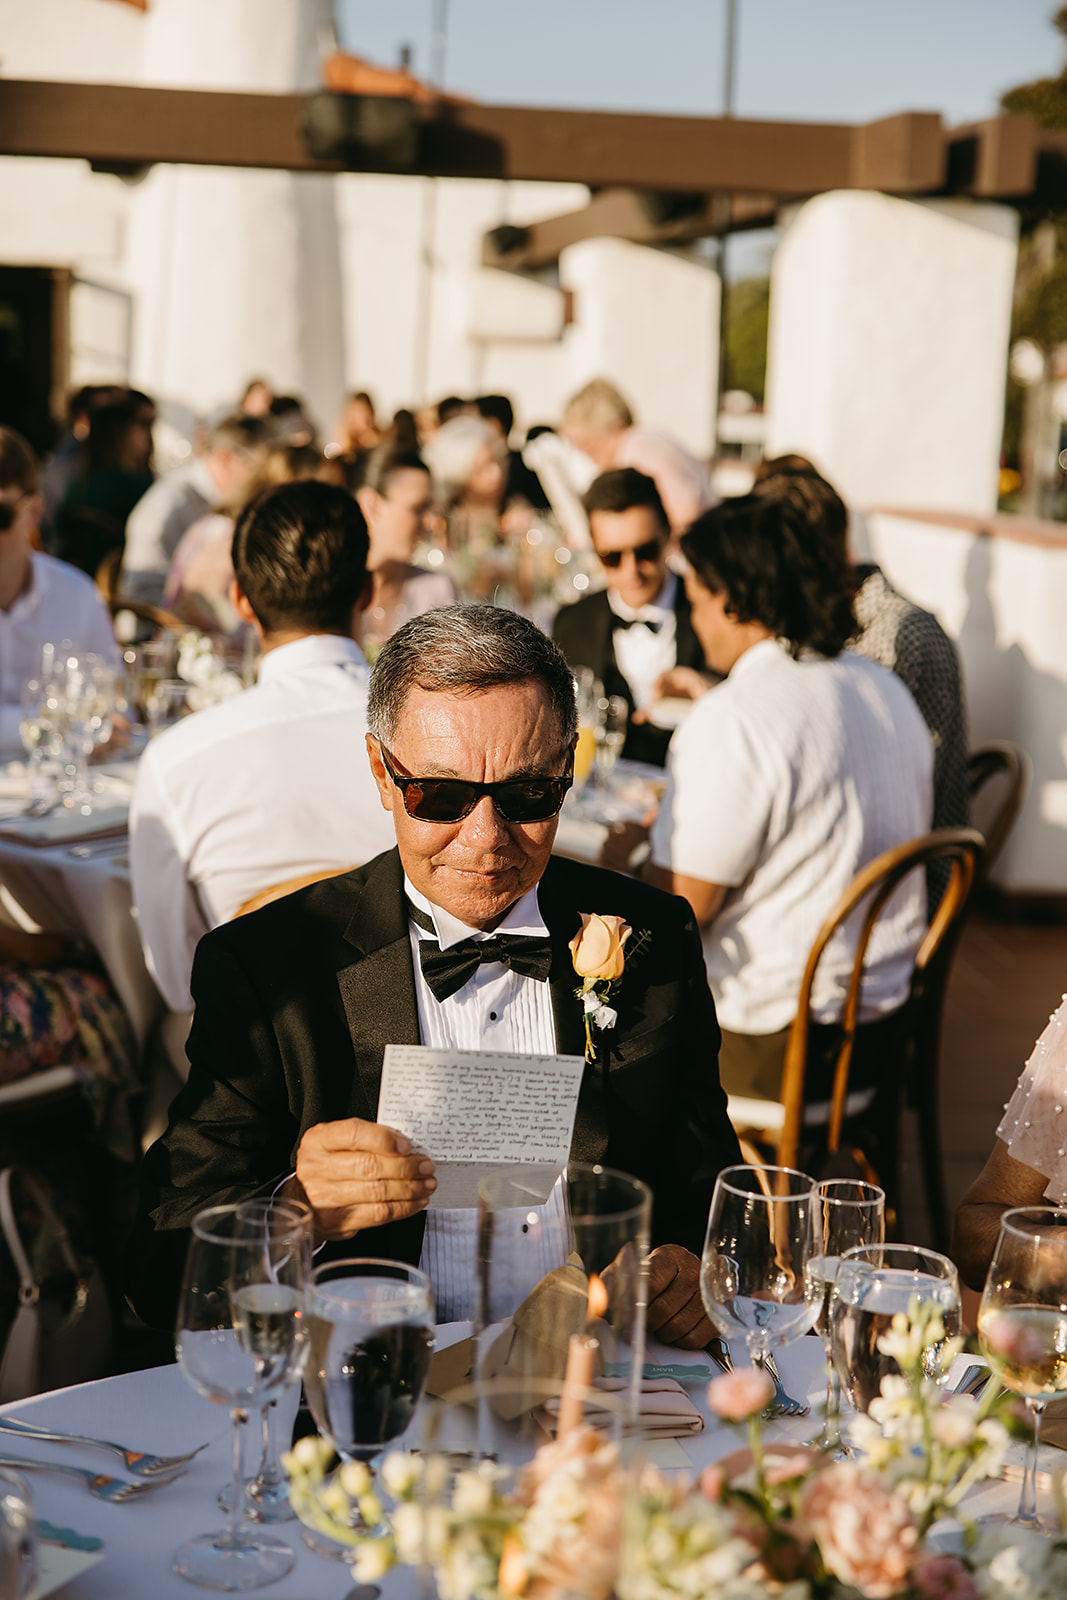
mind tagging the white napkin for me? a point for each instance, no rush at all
(666, 1410)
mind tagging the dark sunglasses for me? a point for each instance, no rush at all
(452, 799)
(9, 510)
(640, 552)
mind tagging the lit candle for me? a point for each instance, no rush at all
(581, 1360)
(598, 1298)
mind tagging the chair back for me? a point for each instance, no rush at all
(998, 760)
(279, 890)
(875, 884)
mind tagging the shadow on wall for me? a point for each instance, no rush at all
(1009, 697)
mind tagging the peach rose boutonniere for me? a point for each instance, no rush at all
(599, 956)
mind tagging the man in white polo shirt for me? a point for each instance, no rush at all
(42, 600)
(272, 785)
(785, 781)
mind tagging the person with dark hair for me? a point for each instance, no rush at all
(109, 479)
(396, 497)
(896, 632)
(638, 628)
(520, 481)
(786, 780)
(42, 600)
(271, 784)
(235, 446)
(472, 719)
(60, 466)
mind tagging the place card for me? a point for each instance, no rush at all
(474, 1111)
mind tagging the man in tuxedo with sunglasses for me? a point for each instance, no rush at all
(457, 939)
(637, 629)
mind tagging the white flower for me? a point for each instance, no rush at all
(374, 1557)
(954, 1425)
(355, 1478)
(309, 1453)
(473, 1495)
(605, 1017)
(402, 1472)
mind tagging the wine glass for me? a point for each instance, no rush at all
(268, 1491)
(1022, 1322)
(241, 1337)
(610, 737)
(875, 1283)
(168, 702)
(758, 1243)
(845, 1213)
(371, 1329)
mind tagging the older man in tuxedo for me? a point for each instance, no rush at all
(472, 713)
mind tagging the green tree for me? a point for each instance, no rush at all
(1046, 99)
(747, 305)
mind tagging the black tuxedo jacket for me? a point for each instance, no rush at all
(296, 1003)
(585, 634)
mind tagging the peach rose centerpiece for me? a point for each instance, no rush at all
(597, 951)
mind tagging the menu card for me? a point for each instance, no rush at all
(476, 1110)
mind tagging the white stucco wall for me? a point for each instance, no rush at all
(648, 320)
(888, 346)
(1003, 602)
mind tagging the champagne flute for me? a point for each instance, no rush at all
(241, 1337)
(610, 738)
(371, 1341)
(875, 1283)
(1022, 1322)
(758, 1243)
(846, 1213)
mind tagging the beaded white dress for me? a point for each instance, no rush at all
(1034, 1124)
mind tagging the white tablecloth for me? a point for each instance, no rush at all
(88, 896)
(158, 1411)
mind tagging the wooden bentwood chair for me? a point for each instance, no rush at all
(917, 1032)
(986, 765)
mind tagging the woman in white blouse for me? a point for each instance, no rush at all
(1028, 1164)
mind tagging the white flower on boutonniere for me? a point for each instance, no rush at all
(599, 958)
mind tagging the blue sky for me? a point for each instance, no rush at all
(817, 60)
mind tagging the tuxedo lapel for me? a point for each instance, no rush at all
(562, 919)
(377, 985)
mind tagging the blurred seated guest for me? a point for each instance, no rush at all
(601, 424)
(273, 784)
(59, 468)
(1027, 1165)
(520, 481)
(466, 459)
(234, 448)
(57, 1008)
(403, 432)
(255, 402)
(638, 628)
(42, 600)
(108, 480)
(451, 406)
(893, 631)
(396, 497)
(288, 422)
(786, 780)
(201, 573)
(357, 429)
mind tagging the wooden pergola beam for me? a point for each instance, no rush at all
(125, 127)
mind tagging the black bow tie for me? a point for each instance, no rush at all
(446, 971)
(651, 623)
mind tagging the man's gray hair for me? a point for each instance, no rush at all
(466, 650)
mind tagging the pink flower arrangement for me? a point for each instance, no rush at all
(865, 1533)
(739, 1395)
(937, 1577)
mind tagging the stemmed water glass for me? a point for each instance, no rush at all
(874, 1283)
(371, 1326)
(610, 737)
(241, 1337)
(758, 1244)
(267, 1494)
(845, 1213)
(1022, 1322)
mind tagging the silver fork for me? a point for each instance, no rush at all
(138, 1462)
(104, 1487)
(783, 1405)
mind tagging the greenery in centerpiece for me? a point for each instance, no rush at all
(789, 1522)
